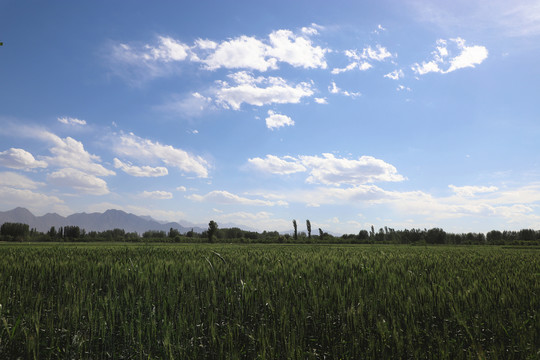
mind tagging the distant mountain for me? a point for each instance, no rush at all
(110, 219)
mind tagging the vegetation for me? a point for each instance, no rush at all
(268, 301)
(21, 232)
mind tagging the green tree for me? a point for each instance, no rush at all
(295, 229)
(17, 231)
(308, 226)
(212, 230)
(52, 232)
(173, 233)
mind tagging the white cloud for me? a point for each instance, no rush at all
(242, 52)
(248, 52)
(205, 44)
(275, 121)
(168, 50)
(472, 190)
(337, 171)
(79, 180)
(360, 62)
(20, 159)
(468, 56)
(335, 90)
(136, 147)
(380, 53)
(296, 50)
(362, 66)
(395, 75)
(14, 180)
(140, 63)
(160, 195)
(71, 121)
(225, 197)
(321, 100)
(277, 91)
(275, 165)
(181, 188)
(426, 67)
(70, 153)
(35, 202)
(311, 30)
(140, 171)
(329, 170)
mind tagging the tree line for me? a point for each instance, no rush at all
(22, 232)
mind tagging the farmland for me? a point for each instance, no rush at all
(268, 301)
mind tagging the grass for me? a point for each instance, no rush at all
(268, 302)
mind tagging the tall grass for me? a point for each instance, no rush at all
(268, 302)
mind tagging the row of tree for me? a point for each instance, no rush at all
(22, 232)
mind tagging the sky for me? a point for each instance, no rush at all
(406, 114)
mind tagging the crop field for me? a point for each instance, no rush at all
(118, 301)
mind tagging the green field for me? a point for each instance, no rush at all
(124, 301)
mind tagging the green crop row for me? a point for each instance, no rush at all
(268, 302)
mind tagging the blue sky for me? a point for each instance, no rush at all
(407, 114)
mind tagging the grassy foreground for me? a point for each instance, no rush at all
(268, 301)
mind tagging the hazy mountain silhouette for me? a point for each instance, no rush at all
(110, 219)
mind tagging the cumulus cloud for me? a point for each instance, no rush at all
(14, 180)
(275, 121)
(225, 197)
(248, 89)
(243, 52)
(181, 188)
(321, 100)
(329, 170)
(248, 52)
(296, 50)
(275, 165)
(132, 146)
(20, 159)
(70, 153)
(140, 171)
(160, 195)
(445, 57)
(79, 180)
(337, 171)
(71, 121)
(136, 62)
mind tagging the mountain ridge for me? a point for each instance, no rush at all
(108, 220)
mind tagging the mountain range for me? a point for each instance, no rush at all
(110, 219)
